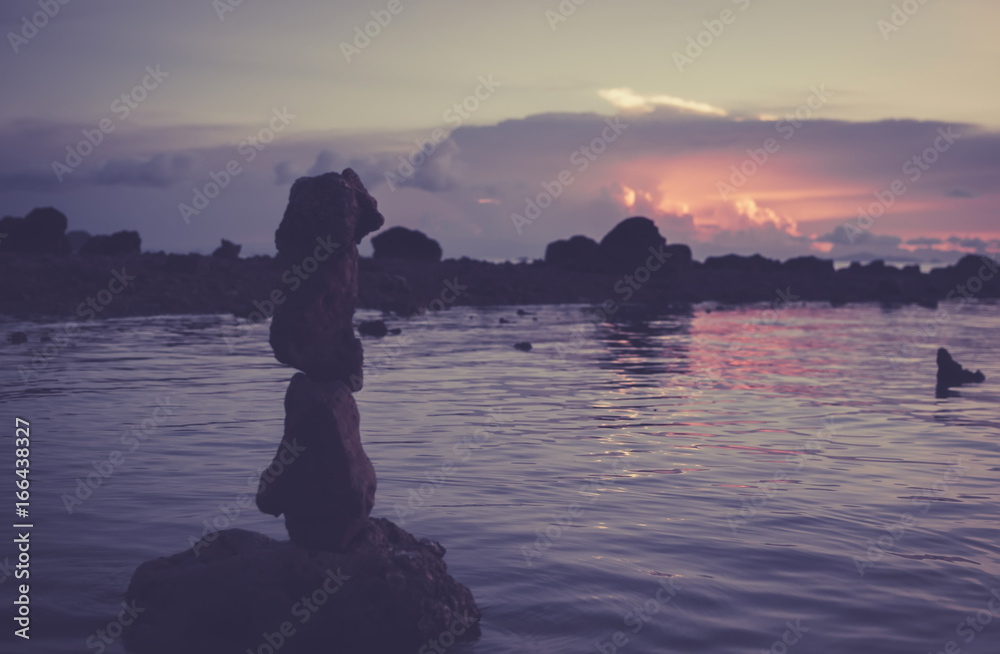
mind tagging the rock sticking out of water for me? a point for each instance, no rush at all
(387, 593)
(950, 373)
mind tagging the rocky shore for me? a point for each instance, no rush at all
(83, 287)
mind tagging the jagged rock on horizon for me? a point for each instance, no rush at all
(42, 231)
(575, 253)
(227, 250)
(627, 246)
(117, 244)
(403, 243)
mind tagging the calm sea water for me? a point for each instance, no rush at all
(699, 482)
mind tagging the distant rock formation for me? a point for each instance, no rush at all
(576, 253)
(627, 245)
(376, 328)
(403, 243)
(228, 250)
(751, 264)
(42, 231)
(242, 591)
(118, 244)
(950, 373)
(77, 238)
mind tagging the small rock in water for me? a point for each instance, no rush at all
(524, 346)
(951, 373)
(373, 328)
(504, 321)
(17, 338)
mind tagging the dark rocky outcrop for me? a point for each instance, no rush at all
(376, 328)
(228, 250)
(118, 244)
(575, 253)
(524, 346)
(627, 246)
(77, 239)
(321, 478)
(809, 266)
(42, 231)
(387, 593)
(950, 373)
(736, 262)
(403, 243)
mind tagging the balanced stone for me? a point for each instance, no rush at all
(320, 479)
(312, 330)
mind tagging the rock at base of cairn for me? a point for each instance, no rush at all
(388, 593)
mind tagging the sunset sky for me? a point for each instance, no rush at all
(737, 125)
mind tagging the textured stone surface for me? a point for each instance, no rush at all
(388, 593)
(320, 479)
(313, 328)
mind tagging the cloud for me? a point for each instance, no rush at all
(960, 193)
(159, 171)
(924, 241)
(627, 100)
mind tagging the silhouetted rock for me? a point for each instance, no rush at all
(809, 266)
(387, 593)
(755, 263)
(320, 479)
(77, 239)
(228, 250)
(118, 244)
(42, 231)
(524, 346)
(313, 330)
(576, 253)
(184, 263)
(373, 328)
(627, 246)
(403, 243)
(678, 257)
(951, 373)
